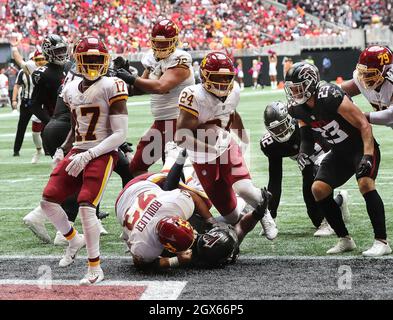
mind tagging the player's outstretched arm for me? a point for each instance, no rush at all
(350, 88)
(384, 117)
(169, 80)
(238, 127)
(182, 259)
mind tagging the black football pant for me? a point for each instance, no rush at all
(24, 119)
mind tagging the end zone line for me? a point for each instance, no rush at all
(155, 290)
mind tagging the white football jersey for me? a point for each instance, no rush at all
(208, 108)
(379, 100)
(139, 209)
(164, 106)
(91, 108)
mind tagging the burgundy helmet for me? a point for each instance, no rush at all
(92, 58)
(372, 66)
(175, 233)
(217, 73)
(164, 38)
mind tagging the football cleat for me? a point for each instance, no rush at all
(103, 231)
(324, 230)
(344, 206)
(93, 276)
(378, 249)
(35, 221)
(344, 244)
(269, 226)
(60, 240)
(71, 251)
(37, 156)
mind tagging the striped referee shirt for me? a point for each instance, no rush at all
(24, 80)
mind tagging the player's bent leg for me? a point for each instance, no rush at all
(323, 194)
(258, 200)
(35, 221)
(37, 127)
(91, 230)
(376, 212)
(59, 219)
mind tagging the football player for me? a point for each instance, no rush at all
(283, 140)
(154, 217)
(100, 124)
(207, 114)
(168, 71)
(373, 78)
(324, 108)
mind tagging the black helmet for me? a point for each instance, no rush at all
(301, 82)
(216, 247)
(278, 122)
(55, 49)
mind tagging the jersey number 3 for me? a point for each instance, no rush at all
(95, 114)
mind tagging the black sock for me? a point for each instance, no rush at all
(339, 200)
(332, 213)
(376, 212)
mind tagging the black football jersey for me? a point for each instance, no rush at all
(275, 149)
(46, 80)
(325, 119)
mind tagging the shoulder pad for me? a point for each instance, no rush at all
(38, 75)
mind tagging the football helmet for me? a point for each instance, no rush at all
(164, 38)
(39, 58)
(217, 73)
(301, 82)
(218, 246)
(55, 49)
(92, 58)
(278, 121)
(372, 66)
(175, 233)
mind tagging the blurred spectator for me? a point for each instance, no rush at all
(4, 97)
(240, 73)
(326, 65)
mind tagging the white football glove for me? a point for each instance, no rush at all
(58, 156)
(78, 163)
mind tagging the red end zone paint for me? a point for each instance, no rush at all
(70, 292)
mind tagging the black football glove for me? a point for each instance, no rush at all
(365, 166)
(126, 76)
(126, 147)
(303, 160)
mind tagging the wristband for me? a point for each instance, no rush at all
(173, 262)
(14, 49)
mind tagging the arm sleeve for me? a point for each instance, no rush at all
(38, 97)
(384, 117)
(307, 140)
(119, 126)
(274, 185)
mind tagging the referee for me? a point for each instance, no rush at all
(24, 82)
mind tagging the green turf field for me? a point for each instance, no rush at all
(22, 184)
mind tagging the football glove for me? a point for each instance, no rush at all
(365, 166)
(126, 76)
(78, 163)
(303, 160)
(58, 156)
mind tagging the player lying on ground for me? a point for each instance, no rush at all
(153, 210)
(324, 107)
(283, 140)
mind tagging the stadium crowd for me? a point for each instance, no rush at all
(204, 24)
(350, 13)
